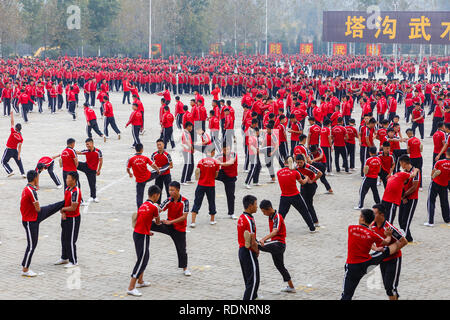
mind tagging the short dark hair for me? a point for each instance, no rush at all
(70, 141)
(175, 184)
(368, 215)
(139, 147)
(31, 175)
(160, 140)
(74, 175)
(89, 140)
(373, 150)
(404, 158)
(381, 208)
(248, 201)
(154, 190)
(265, 205)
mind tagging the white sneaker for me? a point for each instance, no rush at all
(84, 204)
(29, 274)
(192, 225)
(426, 224)
(96, 200)
(143, 285)
(247, 186)
(187, 273)
(184, 184)
(357, 208)
(10, 175)
(378, 183)
(61, 262)
(91, 200)
(246, 171)
(135, 292)
(59, 187)
(24, 176)
(289, 290)
(70, 265)
(213, 223)
(317, 225)
(258, 185)
(312, 232)
(233, 217)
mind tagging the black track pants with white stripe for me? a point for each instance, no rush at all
(250, 271)
(142, 246)
(32, 230)
(69, 236)
(435, 191)
(405, 217)
(390, 271)
(300, 205)
(277, 249)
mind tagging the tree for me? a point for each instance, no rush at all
(10, 24)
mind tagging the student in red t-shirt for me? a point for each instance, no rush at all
(91, 119)
(142, 225)
(32, 215)
(350, 142)
(174, 226)
(228, 175)
(339, 136)
(414, 150)
(391, 266)
(164, 162)
(138, 167)
(206, 174)
(371, 171)
(13, 148)
(275, 242)
(418, 120)
(290, 195)
(48, 163)
(439, 187)
(361, 241)
(92, 167)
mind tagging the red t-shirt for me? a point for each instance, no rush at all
(374, 164)
(146, 213)
(314, 131)
(287, 179)
(394, 187)
(72, 196)
(208, 170)
(360, 241)
(175, 210)
(138, 164)
(414, 148)
(277, 222)
(92, 158)
(444, 167)
(67, 157)
(162, 160)
(397, 235)
(339, 133)
(14, 139)
(27, 209)
(246, 222)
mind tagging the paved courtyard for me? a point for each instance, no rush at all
(106, 250)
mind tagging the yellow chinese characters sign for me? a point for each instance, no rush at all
(411, 27)
(275, 48)
(306, 48)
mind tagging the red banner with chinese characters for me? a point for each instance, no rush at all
(156, 49)
(215, 48)
(340, 49)
(275, 48)
(373, 50)
(306, 48)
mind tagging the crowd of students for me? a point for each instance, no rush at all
(298, 111)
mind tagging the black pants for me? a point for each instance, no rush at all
(418, 164)
(405, 217)
(188, 167)
(93, 126)
(6, 106)
(368, 184)
(277, 249)
(421, 127)
(391, 211)
(341, 151)
(7, 155)
(178, 238)
(308, 192)
(111, 121)
(322, 168)
(25, 112)
(163, 182)
(283, 153)
(72, 106)
(53, 175)
(363, 156)
(32, 230)
(255, 169)
(126, 96)
(86, 97)
(91, 176)
(435, 191)
(168, 137)
(397, 154)
(230, 188)
(93, 98)
(355, 272)
(69, 236)
(142, 247)
(383, 177)
(135, 131)
(300, 205)
(200, 193)
(329, 163)
(436, 121)
(140, 188)
(250, 271)
(390, 272)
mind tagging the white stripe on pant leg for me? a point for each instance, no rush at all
(142, 258)
(134, 136)
(429, 202)
(71, 242)
(396, 276)
(360, 192)
(345, 277)
(408, 221)
(31, 244)
(3, 163)
(254, 275)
